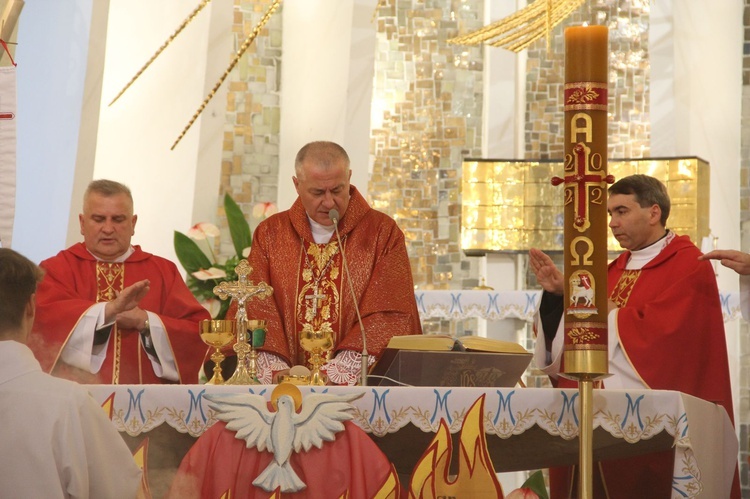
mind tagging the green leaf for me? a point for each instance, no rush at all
(239, 229)
(536, 483)
(189, 254)
(223, 310)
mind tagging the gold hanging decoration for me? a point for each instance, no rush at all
(231, 66)
(182, 26)
(524, 27)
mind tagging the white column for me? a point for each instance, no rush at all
(326, 83)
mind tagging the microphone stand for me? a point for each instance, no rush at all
(334, 216)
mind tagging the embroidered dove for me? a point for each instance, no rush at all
(285, 430)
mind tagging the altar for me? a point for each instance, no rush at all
(529, 428)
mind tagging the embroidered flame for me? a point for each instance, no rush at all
(476, 474)
(391, 488)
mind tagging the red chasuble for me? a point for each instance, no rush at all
(73, 282)
(671, 328)
(311, 290)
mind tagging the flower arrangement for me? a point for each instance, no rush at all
(204, 268)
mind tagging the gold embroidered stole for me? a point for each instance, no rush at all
(318, 307)
(624, 287)
(110, 280)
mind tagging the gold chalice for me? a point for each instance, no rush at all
(218, 334)
(317, 342)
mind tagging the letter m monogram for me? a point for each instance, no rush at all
(503, 405)
(441, 402)
(378, 403)
(196, 402)
(568, 406)
(634, 408)
(134, 404)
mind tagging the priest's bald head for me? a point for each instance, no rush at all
(639, 206)
(19, 277)
(321, 178)
(107, 221)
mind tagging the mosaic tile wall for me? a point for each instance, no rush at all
(250, 157)
(629, 128)
(428, 96)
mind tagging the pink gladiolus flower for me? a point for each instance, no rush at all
(212, 273)
(264, 210)
(522, 493)
(202, 230)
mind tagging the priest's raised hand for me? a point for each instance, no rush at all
(124, 308)
(547, 274)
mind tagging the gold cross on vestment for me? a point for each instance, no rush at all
(315, 297)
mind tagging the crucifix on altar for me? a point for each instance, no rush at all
(241, 291)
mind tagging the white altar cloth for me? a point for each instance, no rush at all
(704, 440)
(456, 304)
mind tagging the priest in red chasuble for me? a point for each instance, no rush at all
(666, 328)
(108, 312)
(298, 254)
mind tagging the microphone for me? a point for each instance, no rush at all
(334, 216)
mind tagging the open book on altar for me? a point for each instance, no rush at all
(442, 360)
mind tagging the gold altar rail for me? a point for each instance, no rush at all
(510, 205)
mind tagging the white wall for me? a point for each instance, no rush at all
(52, 53)
(172, 188)
(68, 134)
(696, 110)
(326, 83)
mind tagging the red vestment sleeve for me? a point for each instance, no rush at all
(69, 289)
(386, 303)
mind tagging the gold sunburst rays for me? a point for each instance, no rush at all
(271, 9)
(161, 49)
(235, 59)
(524, 27)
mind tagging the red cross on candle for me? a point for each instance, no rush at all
(584, 176)
(7, 116)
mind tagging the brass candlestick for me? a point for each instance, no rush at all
(242, 290)
(217, 333)
(256, 331)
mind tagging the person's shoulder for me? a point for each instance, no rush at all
(55, 390)
(384, 222)
(683, 245)
(76, 251)
(273, 225)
